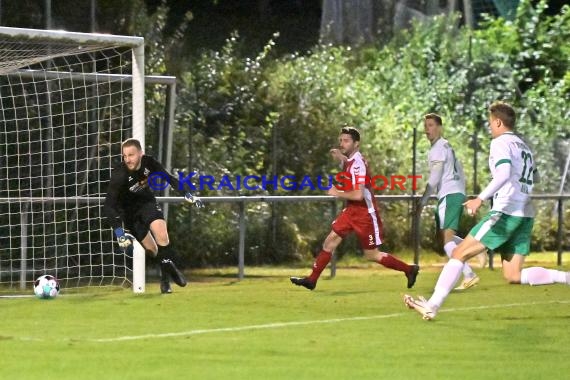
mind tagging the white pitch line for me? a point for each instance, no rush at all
(276, 325)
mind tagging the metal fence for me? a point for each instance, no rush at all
(334, 202)
(558, 199)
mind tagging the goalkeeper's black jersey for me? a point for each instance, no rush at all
(129, 190)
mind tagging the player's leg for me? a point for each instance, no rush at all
(513, 264)
(448, 217)
(470, 278)
(149, 244)
(481, 258)
(151, 247)
(368, 229)
(141, 230)
(341, 227)
(540, 276)
(514, 252)
(491, 232)
(150, 217)
(450, 242)
(469, 248)
(325, 255)
(160, 232)
(488, 233)
(165, 253)
(390, 261)
(447, 279)
(321, 261)
(512, 267)
(494, 230)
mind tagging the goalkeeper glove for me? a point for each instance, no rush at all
(192, 199)
(123, 239)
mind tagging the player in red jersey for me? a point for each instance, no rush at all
(360, 215)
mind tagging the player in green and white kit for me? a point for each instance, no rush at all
(446, 177)
(507, 227)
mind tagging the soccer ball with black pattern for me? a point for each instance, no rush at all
(46, 287)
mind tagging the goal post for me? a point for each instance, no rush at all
(68, 100)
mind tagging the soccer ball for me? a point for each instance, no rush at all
(46, 287)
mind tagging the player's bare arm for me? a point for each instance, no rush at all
(352, 195)
(337, 155)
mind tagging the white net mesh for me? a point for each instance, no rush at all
(18, 54)
(65, 108)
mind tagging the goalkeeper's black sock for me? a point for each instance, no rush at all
(155, 260)
(162, 256)
(165, 255)
(164, 252)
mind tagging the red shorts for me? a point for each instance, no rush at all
(368, 227)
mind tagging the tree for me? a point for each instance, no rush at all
(350, 22)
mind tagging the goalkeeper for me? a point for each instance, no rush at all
(130, 205)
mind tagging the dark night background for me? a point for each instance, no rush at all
(297, 22)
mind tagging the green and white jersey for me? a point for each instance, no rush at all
(452, 179)
(513, 198)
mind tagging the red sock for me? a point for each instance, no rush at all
(320, 264)
(392, 262)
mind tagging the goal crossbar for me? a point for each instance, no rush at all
(74, 37)
(91, 77)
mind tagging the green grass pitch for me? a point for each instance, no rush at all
(354, 326)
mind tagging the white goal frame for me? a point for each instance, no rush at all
(136, 44)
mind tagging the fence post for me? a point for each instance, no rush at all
(333, 260)
(559, 234)
(416, 218)
(241, 252)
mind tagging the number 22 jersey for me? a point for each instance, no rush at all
(513, 198)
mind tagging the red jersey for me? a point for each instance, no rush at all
(361, 217)
(359, 174)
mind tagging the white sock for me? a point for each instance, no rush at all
(542, 276)
(449, 247)
(457, 239)
(446, 281)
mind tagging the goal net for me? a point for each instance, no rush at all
(68, 100)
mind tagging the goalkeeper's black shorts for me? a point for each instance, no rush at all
(138, 221)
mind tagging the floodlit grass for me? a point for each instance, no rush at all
(354, 326)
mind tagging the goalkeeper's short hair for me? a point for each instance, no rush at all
(131, 142)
